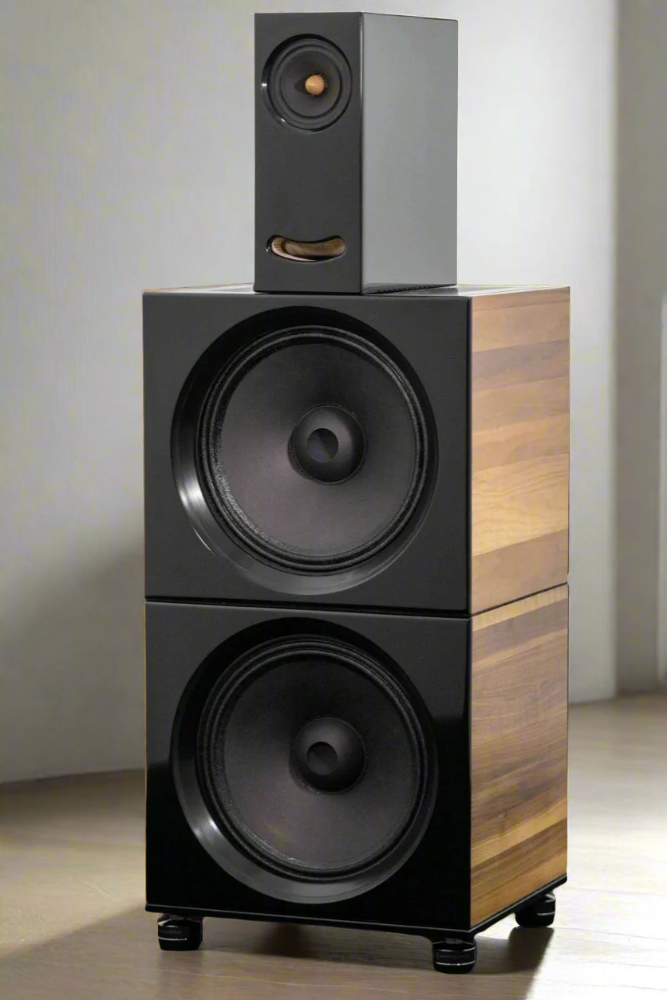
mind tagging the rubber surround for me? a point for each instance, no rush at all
(293, 62)
(214, 478)
(208, 703)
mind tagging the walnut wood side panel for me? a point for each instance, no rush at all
(518, 750)
(520, 403)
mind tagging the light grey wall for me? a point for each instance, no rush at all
(642, 286)
(127, 162)
(662, 575)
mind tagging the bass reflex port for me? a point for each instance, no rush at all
(301, 250)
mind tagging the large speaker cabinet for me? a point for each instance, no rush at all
(356, 620)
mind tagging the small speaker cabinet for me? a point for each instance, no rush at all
(356, 619)
(355, 152)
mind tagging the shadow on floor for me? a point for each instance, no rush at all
(521, 951)
(119, 958)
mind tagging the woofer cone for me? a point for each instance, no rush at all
(312, 449)
(285, 83)
(314, 763)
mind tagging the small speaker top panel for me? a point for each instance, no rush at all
(355, 159)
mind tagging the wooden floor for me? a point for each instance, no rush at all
(72, 924)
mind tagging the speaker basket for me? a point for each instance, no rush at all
(304, 763)
(309, 447)
(285, 83)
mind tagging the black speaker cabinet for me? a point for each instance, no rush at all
(387, 451)
(356, 621)
(355, 152)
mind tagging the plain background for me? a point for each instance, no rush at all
(127, 159)
(641, 289)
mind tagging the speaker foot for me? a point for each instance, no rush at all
(539, 913)
(454, 956)
(179, 933)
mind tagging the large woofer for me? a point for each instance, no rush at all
(312, 758)
(308, 83)
(313, 449)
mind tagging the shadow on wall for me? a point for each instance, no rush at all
(641, 287)
(72, 658)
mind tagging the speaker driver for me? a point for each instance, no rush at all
(312, 449)
(308, 83)
(313, 760)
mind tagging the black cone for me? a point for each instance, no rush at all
(313, 449)
(313, 760)
(286, 75)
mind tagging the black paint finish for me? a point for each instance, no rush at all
(371, 161)
(188, 336)
(307, 184)
(430, 891)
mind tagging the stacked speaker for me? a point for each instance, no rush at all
(356, 531)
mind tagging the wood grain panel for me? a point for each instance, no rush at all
(519, 750)
(537, 563)
(493, 408)
(518, 502)
(541, 315)
(512, 443)
(533, 363)
(519, 444)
